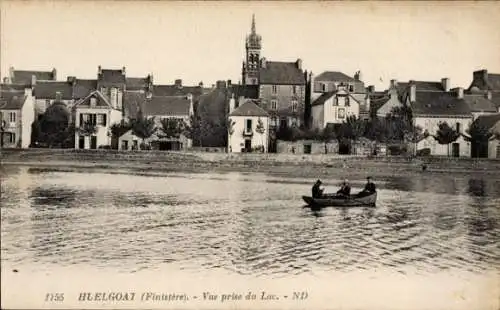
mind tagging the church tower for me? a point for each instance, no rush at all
(251, 65)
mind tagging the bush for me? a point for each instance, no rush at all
(424, 152)
(396, 149)
(105, 147)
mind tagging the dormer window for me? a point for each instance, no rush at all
(275, 89)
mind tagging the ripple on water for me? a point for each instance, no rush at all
(244, 224)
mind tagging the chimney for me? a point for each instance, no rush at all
(58, 96)
(371, 89)
(178, 83)
(394, 83)
(232, 104)
(229, 83)
(445, 82)
(481, 75)
(71, 80)
(299, 64)
(200, 84)
(11, 73)
(413, 93)
(460, 92)
(357, 76)
(123, 71)
(221, 84)
(263, 62)
(189, 97)
(54, 74)
(99, 70)
(488, 95)
(33, 80)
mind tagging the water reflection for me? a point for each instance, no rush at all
(245, 224)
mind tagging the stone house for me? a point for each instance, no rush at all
(484, 82)
(333, 108)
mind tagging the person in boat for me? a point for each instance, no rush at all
(317, 189)
(345, 189)
(370, 188)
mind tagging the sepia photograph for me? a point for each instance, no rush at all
(250, 155)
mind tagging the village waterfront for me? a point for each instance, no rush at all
(432, 233)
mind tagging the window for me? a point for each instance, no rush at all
(351, 88)
(293, 121)
(273, 121)
(323, 87)
(274, 105)
(93, 101)
(101, 119)
(47, 103)
(294, 89)
(341, 113)
(275, 89)
(12, 138)
(294, 105)
(457, 127)
(347, 101)
(248, 126)
(12, 117)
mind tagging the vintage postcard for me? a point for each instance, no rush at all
(250, 155)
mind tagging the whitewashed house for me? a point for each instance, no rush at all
(96, 111)
(333, 108)
(17, 113)
(249, 127)
(430, 108)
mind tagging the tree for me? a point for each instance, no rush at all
(260, 130)
(353, 128)
(52, 129)
(143, 127)
(446, 135)
(117, 130)
(479, 137)
(326, 135)
(87, 129)
(172, 128)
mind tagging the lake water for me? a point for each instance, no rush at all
(244, 225)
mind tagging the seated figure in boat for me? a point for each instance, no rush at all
(317, 189)
(345, 189)
(369, 189)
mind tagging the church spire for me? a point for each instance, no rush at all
(253, 24)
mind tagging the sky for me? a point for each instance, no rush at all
(204, 41)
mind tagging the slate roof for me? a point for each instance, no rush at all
(173, 90)
(282, 73)
(246, 91)
(102, 99)
(332, 76)
(112, 76)
(378, 99)
(172, 105)
(48, 89)
(440, 104)
(488, 121)
(495, 98)
(83, 88)
(249, 108)
(11, 100)
(12, 87)
(132, 103)
(323, 98)
(134, 83)
(24, 76)
(478, 103)
(492, 82)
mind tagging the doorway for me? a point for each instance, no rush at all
(455, 150)
(81, 142)
(248, 145)
(93, 142)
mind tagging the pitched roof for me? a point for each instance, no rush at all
(83, 88)
(174, 90)
(277, 72)
(48, 89)
(440, 104)
(132, 103)
(134, 83)
(11, 100)
(246, 91)
(495, 98)
(494, 81)
(25, 76)
(12, 87)
(172, 105)
(112, 76)
(323, 98)
(102, 99)
(334, 76)
(488, 121)
(482, 80)
(378, 99)
(478, 103)
(249, 108)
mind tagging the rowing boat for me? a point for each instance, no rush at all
(342, 201)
